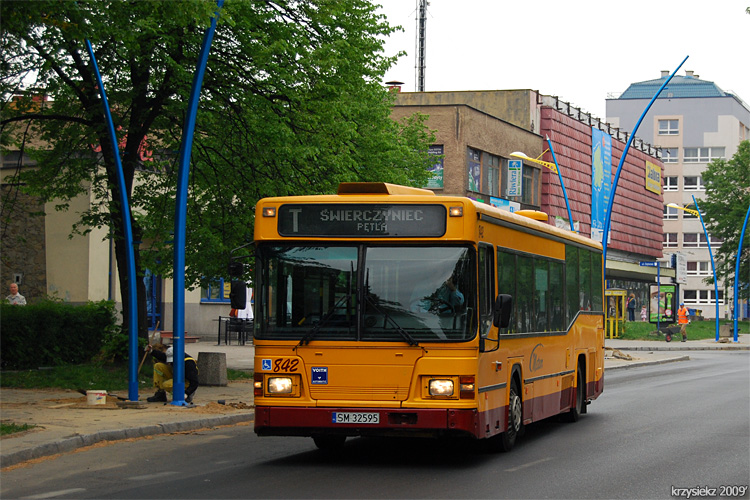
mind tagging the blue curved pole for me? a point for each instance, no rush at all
(562, 183)
(608, 218)
(713, 266)
(180, 220)
(737, 272)
(132, 318)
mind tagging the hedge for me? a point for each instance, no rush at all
(52, 333)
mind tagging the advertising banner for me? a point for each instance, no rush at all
(653, 178)
(515, 178)
(662, 305)
(601, 180)
(510, 206)
(475, 171)
(436, 180)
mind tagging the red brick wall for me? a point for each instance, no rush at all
(636, 214)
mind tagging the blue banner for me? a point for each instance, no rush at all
(601, 180)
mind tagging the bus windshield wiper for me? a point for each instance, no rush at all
(407, 337)
(328, 315)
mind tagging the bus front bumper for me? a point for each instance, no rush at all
(290, 421)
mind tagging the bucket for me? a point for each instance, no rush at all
(96, 397)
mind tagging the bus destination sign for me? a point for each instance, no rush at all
(362, 220)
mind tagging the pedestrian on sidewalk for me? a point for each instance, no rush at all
(682, 319)
(163, 374)
(644, 313)
(631, 307)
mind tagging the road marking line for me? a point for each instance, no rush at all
(158, 475)
(530, 464)
(52, 494)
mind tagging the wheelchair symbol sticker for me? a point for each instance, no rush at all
(266, 365)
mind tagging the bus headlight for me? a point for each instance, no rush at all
(441, 387)
(280, 385)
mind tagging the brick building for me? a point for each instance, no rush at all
(485, 127)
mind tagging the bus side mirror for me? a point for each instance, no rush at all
(238, 295)
(502, 310)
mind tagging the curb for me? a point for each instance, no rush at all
(646, 363)
(82, 440)
(686, 348)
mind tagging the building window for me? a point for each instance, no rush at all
(702, 155)
(669, 155)
(216, 291)
(693, 183)
(698, 268)
(695, 297)
(483, 172)
(491, 177)
(670, 183)
(670, 240)
(530, 186)
(694, 240)
(670, 213)
(669, 127)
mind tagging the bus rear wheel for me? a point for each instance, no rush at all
(575, 412)
(329, 442)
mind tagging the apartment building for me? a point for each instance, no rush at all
(694, 122)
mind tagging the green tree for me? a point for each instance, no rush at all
(292, 103)
(725, 206)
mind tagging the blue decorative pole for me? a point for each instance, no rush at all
(180, 221)
(132, 318)
(562, 183)
(737, 272)
(608, 218)
(713, 267)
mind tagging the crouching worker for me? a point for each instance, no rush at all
(163, 374)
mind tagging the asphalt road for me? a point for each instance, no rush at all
(655, 429)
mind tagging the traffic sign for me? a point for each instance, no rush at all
(649, 264)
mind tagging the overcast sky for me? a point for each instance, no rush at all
(579, 50)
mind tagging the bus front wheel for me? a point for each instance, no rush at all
(506, 440)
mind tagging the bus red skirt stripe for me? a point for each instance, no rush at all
(289, 421)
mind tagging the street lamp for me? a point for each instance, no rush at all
(555, 168)
(697, 213)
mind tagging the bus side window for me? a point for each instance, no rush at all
(486, 288)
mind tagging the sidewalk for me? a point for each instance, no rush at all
(65, 422)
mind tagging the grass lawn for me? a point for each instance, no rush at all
(11, 428)
(696, 330)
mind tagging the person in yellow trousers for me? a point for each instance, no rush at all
(682, 319)
(163, 374)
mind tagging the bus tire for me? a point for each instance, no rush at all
(329, 442)
(575, 412)
(507, 439)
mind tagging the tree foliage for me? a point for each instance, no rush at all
(725, 207)
(292, 103)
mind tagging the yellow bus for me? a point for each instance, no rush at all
(386, 310)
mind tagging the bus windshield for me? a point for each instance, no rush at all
(363, 292)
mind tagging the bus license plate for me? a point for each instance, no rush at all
(355, 418)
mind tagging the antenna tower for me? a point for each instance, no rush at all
(421, 43)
